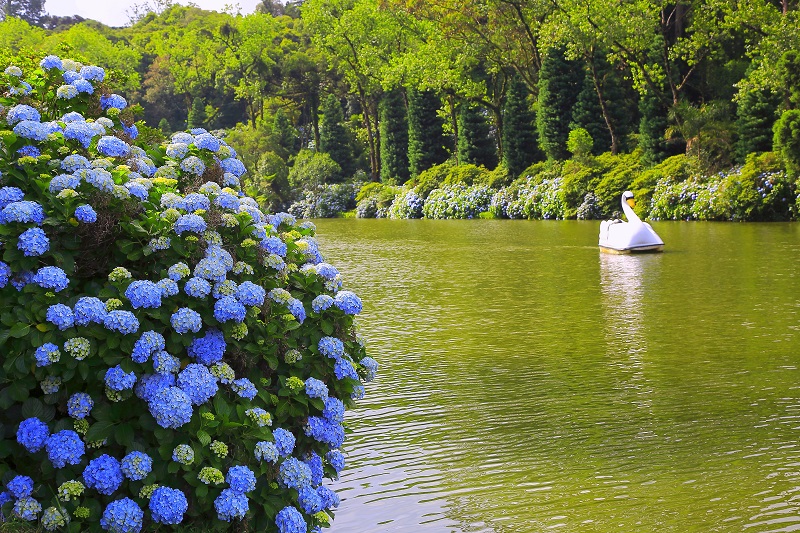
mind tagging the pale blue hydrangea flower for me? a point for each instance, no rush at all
(168, 505)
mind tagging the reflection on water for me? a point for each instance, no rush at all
(527, 385)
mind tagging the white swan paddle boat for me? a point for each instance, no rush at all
(633, 236)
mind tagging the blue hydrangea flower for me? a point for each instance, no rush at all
(27, 508)
(198, 383)
(74, 162)
(234, 166)
(67, 92)
(244, 388)
(118, 380)
(168, 505)
(193, 165)
(84, 213)
(240, 478)
(23, 211)
(178, 271)
(197, 287)
(194, 201)
(60, 315)
(22, 486)
(177, 150)
(137, 190)
(144, 293)
(207, 141)
(29, 151)
(229, 308)
(324, 431)
(113, 100)
(348, 302)
(148, 343)
(185, 320)
(52, 519)
(92, 72)
(316, 388)
(151, 384)
(314, 463)
(344, 369)
(250, 294)
(229, 180)
(331, 347)
(32, 434)
(64, 447)
(266, 451)
(122, 321)
(131, 130)
(64, 181)
(79, 405)
(284, 441)
(22, 112)
(113, 146)
(183, 454)
(103, 474)
(297, 309)
(289, 520)
(336, 459)
(100, 178)
(35, 131)
(83, 86)
(329, 498)
(50, 62)
(294, 474)
(73, 116)
(321, 303)
(51, 277)
(136, 465)
(211, 270)
(225, 288)
(193, 223)
(171, 407)
(274, 245)
(167, 287)
(81, 132)
(334, 410)
(370, 366)
(122, 516)
(165, 363)
(227, 201)
(5, 274)
(9, 195)
(230, 504)
(309, 500)
(208, 349)
(90, 309)
(358, 392)
(327, 271)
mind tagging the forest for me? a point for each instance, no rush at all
(476, 108)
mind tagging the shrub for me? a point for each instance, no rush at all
(787, 140)
(313, 169)
(457, 201)
(430, 179)
(406, 204)
(676, 168)
(326, 201)
(172, 355)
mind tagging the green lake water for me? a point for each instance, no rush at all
(530, 383)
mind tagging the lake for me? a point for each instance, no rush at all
(530, 383)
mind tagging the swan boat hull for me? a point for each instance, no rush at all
(650, 248)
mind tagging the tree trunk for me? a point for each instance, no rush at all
(451, 104)
(604, 108)
(365, 113)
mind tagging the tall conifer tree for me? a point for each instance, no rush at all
(394, 137)
(475, 146)
(197, 114)
(426, 141)
(652, 129)
(755, 116)
(558, 82)
(520, 147)
(587, 114)
(333, 137)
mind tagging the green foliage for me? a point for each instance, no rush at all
(558, 83)
(394, 137)
(475, 145)
(285, 133)
(312, 169)
(197, 114)
(787, 140)
(164, 126)
(128, 221)
(426, 141)
(520, 146)
(756, 114)
(271, 182)
(652, 129)
(431, 178)
(588, 115)
(580, 144)
(789, 75)
(677, 168)
(333, 138)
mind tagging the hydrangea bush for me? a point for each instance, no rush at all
(172, 356)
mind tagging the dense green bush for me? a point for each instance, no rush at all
(171, 354)
(312, 170)
(456, 201)
(676, 168)
(375, 199)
